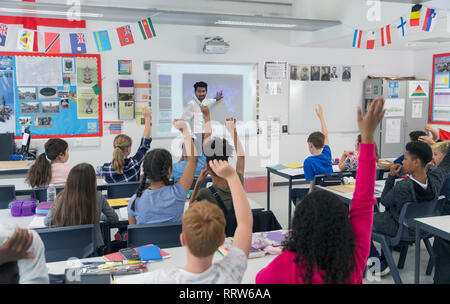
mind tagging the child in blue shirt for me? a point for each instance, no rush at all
(320, 162)
(178, 167)
(163, 201)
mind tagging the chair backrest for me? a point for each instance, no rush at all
(7, 195)
(203, 185)
(121, 190)
(163, 235)
(330, 179)
(41, 193)
(379, 174)
(411, 211)
(63, 243)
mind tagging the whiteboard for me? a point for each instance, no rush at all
(339, 100)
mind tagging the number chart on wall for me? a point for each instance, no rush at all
(57, 95)
(440, 90)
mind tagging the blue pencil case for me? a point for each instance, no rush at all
(149, 253)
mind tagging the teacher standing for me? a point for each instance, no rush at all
(192, 113)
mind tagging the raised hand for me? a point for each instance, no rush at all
(427, 140)
(180, 125)
(219, 96)
(368, 124)
(222, 168)
(395, 170)
(205, 110)
(202, 175)
(146, 113)
(319, 111)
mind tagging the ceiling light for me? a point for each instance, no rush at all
(243, 23)
(44, 12)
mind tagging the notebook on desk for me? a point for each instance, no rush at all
(117, 257)
(118, 202)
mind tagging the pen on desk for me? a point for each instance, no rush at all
(113, 280)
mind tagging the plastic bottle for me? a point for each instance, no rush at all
(51, 193)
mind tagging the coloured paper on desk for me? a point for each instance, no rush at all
(343, 188)
(118, 202)
(417, 110)
(37, 222)
(290, 171)
(394, 107)
(293, 165)
(393, 131)
(123, 212)
(117, 257)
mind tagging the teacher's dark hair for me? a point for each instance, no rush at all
(201, 84)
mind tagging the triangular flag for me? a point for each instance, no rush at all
(125, 35)
(370, 40)
(386, 35)
(428, 23)
(415, 15)
(147, 29)
(3, 33)
(357, 38)
(25, 40)
(401, 27)
(102, 41)
(52, 43)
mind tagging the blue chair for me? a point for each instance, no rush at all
(203, 185)
(7, 195)
(122, 190)
(41, 193)
(409, 212)
(63, 243)
(163, 235)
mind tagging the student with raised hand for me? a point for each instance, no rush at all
(326, 243)
(163, 201)
(219, 149)
(320, 160)
(22, 257)
(51, 166)
(123, 168)
(79, 203)
(203, 232)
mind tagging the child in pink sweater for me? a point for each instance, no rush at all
(327, 245)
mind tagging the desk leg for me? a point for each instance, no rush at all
(268, 189)
(289, 203)
(417, 266)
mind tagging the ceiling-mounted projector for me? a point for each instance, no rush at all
(215, 45)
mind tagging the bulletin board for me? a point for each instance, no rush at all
(440, 90)
(55, 95)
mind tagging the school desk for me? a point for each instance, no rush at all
(436, 225)
(290, 174)
(345, 192)
(177, 259)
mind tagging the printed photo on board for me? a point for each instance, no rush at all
(304, 73)
(43, 122)
(50, 107)
(25, 120)
(315, 73)
(334, 76)
(295, 72)
(29, 107)
(347, 73)
(26, 93)
(325, 73)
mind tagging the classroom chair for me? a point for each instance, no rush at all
(379, 174)
(41, 193)
(203, 185)
(122, 190)
(404, 238)
(7, 195)
(62, 243)
(164, 235)
(330, 179)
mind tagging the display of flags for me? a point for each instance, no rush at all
(52, 43)
(125, 35)
(3, 33)
(147, 29)
(357, 38)
(78, 43)
(370, 40)
(25, 40)
(429, 18)
(102, 41)
(386, 35)
(415, 15)
(402, 27)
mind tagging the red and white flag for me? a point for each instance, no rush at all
(52, 43)
(370, 40)
(386, 35)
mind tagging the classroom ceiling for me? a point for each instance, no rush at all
(310, 23)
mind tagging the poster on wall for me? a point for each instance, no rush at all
(440, 90)
(7, 117)
(418, 89)
(275, 70)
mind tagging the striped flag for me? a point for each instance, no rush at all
(125, 35)
(102, 41)
(147, 29)
(357, 38)
(415, 15)
(386, 35)
(429, 18)
(370, 40)
(3, 33)
(52, 43)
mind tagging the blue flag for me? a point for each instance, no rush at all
(102, 41)
(3, 32)
(78, 43)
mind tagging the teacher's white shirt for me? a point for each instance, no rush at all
(193, 115)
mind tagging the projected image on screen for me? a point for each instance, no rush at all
(231, 86)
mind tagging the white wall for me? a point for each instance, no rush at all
(184, 43)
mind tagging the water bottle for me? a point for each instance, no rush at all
(51, 193)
